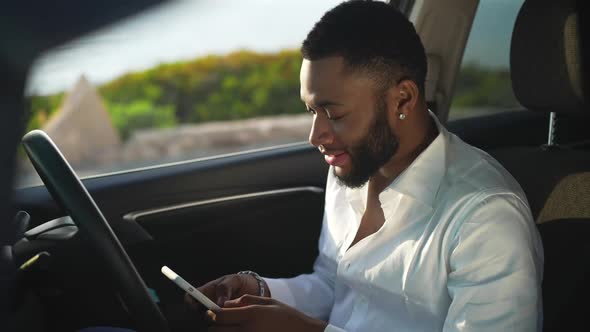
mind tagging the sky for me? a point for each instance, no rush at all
(179, 30)
(489, 40)
(186, 29)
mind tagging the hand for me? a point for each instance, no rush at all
(226, 288)
(261, 314)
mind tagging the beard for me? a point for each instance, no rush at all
(373, 151)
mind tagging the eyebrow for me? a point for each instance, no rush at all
(326, 103)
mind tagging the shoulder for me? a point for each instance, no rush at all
(473, 171)
(483, 201)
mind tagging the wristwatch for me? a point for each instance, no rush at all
(261, 282)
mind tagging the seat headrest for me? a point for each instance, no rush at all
(545, 59)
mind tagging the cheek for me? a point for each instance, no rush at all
(342, 134)
(350, 132)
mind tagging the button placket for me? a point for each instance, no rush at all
(359, 313)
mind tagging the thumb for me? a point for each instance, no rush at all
(247, 300)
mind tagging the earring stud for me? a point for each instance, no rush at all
(402, 116)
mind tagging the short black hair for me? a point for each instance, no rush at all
(373, 37)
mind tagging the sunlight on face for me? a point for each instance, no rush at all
(350, 120)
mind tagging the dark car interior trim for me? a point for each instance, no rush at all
(134, 216)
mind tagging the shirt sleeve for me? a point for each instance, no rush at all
(496, 268)
(332, 328)
(312, 294)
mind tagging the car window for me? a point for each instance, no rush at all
(483, 84)
(186, 80)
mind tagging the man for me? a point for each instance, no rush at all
(421, 231)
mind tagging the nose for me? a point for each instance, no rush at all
(321, 131)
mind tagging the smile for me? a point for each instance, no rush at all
(337, 159)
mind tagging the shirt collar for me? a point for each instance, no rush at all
(420, 180)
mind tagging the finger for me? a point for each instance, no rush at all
(211, 315)
(246, 300)
(233, 316)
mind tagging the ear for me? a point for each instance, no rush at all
(406, 96)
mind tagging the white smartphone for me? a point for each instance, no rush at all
(189, 288)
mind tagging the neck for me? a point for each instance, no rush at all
(417, 136)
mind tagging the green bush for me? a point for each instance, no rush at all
(479, 86)
(239, 85)
(41, 108)
(140, 114)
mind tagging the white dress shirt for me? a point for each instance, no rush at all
(458, 251)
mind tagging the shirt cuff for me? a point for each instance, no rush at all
(279, 289)
(332, 328)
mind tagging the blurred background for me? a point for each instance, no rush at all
(198, 79)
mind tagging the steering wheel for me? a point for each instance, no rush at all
(69, 192)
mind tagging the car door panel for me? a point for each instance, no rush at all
(260, 210)
(275, 234)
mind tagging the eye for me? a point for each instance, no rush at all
(311, 111)
(328, 114)
(333, 117)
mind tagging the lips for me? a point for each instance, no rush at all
(337, 159)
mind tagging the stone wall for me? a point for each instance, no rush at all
(220, 137)
(156, 146)
(82, 127)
